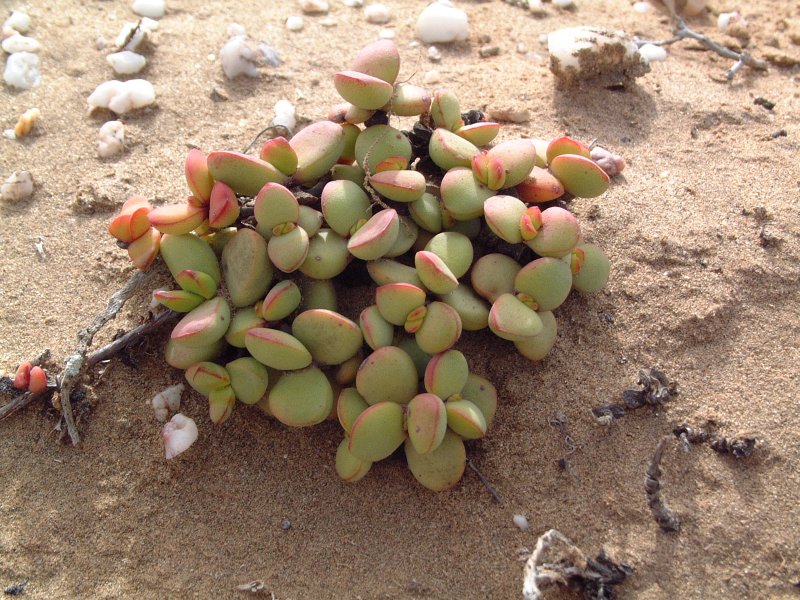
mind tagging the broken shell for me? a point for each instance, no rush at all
(177, 219)
(493, 275)
(581, 176)
(281, 301)
(349, 467)
(302, 398)
(198, 177)
(396, 300)
(376, 236)
(25, 123)
(377, 331)
(277, 349)
(243, 321)
(143, 251)
(223, 208)
(446, 373)
(178, 435)
(220, 405)
(377, 432)
(189, 252)
(540, 186)
(546, 281)
(204, 325)
(279, 153)
(327, 255)
(318, 147)
(246, 266)
(537, 347)
(440, 330)
(331, 338)
(205, 377)
(349, 405)
(362, 90)
(466, 419)
(249, 379)
(558, 234)
(387, 375)
(593, 274)
(243, 173)
(512, 320)
(440, 469)
(434, 273)
(426, 422)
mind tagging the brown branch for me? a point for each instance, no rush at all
(489, 487)
(122, 342)
(18, 403)
(75, 362)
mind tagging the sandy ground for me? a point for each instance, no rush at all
(704, 285)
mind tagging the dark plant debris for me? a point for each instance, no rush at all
(559, 421)
(654, 389)
(764, 102)
(16, 590)
(653, 485)
(739, 447)
(780, 133)
(557, 561)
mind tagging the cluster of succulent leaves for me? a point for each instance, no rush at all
(259, 290)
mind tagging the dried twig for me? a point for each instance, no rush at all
(489, 487)
(739, 447)
(75, 362)
(19, 402)
(682, 32)
(655, 390)
(653, 484)
(119, 344)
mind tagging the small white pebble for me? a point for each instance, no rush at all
(111, 139)
(243, 123)
(135, 33)
(22, 70)
(20, 43)
(536, 6)
(521, 522)
(434, 55)
(329, 22)
(522, 48)
(18, 186)
(724, 22)
(353, 3)
(294, 23)
(377, 13)
(122, 96)
(563, 3)
(314, 7)
(17, 21)
(167, 400)
(651, 53)
(386, 34)
(642, 7)
(178, 435)
(9, 134)
(126, 62)
(238, 58)
(543, 38)
(441, 22)
(100, 43)
(153, 9)
(211, 57)
(431, 77)
(285, 115)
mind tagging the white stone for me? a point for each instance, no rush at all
(178, 435)
(18, 186)
(441, 22)
(386, 34)
(17, 21)
(377, 13)
(285, 115)
(642, 7)
(126, 62)
(167, 400)
(536, 6)
(431, 77)
(565, 44)
(434, 55)
(238, 58)
(111, 139)
(122, 96)
(353, 3)
(651, 52)
(521, 522)
(724, 22)
(135, 33)
(563, 3)
(314, 7)
(22, 70)
(153, 9)
(17, 42)
(295, 23)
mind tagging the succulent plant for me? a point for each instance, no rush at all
(458, 232)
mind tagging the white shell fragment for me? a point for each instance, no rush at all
(22, 70)
(17, 42)
(652, 53)
(111, 139)
(135, 34)
(166, 401)
(642, 7)
(521, 522)
(579, 54)
(378, 14)
(17, 187)
(441, 22)
(295, 23)
(126, 62)
(238, 58)
(285, 115)
(153, 9)
(563, 3)
(122, 96)
(314, 7)
(178, 435)
(17, 21)
(725, 21)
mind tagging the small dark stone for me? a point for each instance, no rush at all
(780, 133)
(764, 102)
(16, 590)
(286, 524)
(487, 51)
